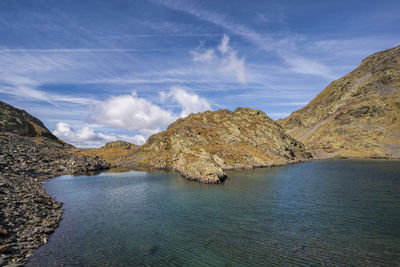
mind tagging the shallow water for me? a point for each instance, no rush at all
(342, 212)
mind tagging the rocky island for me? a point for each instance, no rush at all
(201, 146)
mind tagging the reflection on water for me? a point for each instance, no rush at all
(342, 212)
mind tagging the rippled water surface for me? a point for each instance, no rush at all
(343, 212)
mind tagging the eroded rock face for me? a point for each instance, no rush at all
(17, 121)
(203, 145)
(29, 153)
(357, 115)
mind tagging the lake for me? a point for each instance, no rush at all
(338, 212)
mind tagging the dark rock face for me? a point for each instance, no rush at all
(20, 122)
(27, 214)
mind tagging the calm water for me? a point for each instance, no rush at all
(343, 213)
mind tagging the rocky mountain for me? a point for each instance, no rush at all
(113, 152)
(17, 121)
(203, 145)
(29, 153)
(357, 115)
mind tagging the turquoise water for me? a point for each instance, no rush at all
(342, 212)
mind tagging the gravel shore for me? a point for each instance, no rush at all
(27, 214)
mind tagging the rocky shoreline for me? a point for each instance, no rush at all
(28, 215)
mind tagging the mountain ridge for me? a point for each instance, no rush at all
(20, 122)
(356, 115)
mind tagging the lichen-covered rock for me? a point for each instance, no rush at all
(113, 153)
(357, 115)
(203, 145)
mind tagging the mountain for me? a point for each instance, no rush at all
(357, 115)
(203, 145)
(17, 121)
(29, 152)
(112, 152)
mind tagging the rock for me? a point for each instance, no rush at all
(14, 265)
(30, 155)
(355, 116)
(3, 231)
(5, 248)
(203, 145)
(20, 122)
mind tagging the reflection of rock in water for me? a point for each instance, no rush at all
(298, 249)
(153, 249)
(150, 249)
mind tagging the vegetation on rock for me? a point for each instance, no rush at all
(203, 145)
(357, 115)
(17, 121)
(113, 152)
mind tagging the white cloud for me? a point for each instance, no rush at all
(86, 137)
(206, 56)
(133, 113)
(189, 102)
(25, 73)
(227, 62)
(235, 64)
(224, 46)
(307, 66)
(269, 43)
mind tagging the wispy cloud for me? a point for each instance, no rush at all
(306, 66)
(86, 50)
(282, 47)
(226, 59)
(183, 35)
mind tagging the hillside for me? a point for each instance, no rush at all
(113, 152)
(203, 145)
(17, 121)
(357, 115)
(29, 153)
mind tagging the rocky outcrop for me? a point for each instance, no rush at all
(357, 115)
(114, 153)
(17, 121)
(203, 145)
(29, 153)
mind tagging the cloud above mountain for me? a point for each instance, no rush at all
(87, 137)
(224, 58)
(133, 113)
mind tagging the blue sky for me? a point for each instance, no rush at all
(96, 71)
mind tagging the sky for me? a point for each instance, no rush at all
(95, 71)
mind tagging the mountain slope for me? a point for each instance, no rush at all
(203, 145)
(29, 152)
(112, 152)
(357, 115)
(17, 121)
